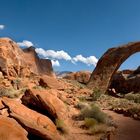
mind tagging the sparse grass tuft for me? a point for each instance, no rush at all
(39, 87)
(10, 92)
(61, 126)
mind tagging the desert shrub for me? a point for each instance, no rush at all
(90, 122)
(10, 92)
(100, 128)
(82, 98)
(119, 103)
(134, 110)
(61, 126)
(16, 82)
(93, 111)
(81, 105)
(133, 97)
(96, 94)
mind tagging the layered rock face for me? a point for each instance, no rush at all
(36, 64)
(109, 63)
(80, 76)
(17, 62)
(126, 81)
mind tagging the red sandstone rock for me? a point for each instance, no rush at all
(37, 65)
(34, 122)
(124, 82)
(109, 63)
(80, 76)
(46, 101)
(11, 130)
(51, 82)
(17, 62)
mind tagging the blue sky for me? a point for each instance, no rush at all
(78, 27)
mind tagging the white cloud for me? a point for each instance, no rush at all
(53, 54)
(55, 63)
(41, 52)
(2, 27)
(25, 43)
(91, 60)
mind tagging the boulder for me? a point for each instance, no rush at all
(46, 102)
(109, 63)
(50, 82)
(11, 130)
(34, 122)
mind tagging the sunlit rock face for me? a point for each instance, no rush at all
(17, 62)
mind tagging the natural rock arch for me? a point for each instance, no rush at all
(109, 63)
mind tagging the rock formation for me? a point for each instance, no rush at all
(126, 81)
(36, 64)
(17, 62)
(109, 63)
(34, 122)
(80, 76)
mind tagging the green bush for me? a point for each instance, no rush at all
(98, 129)
(90, 122)
(93, 111)
(96, 94)
(133, 97)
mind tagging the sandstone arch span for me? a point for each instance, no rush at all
(109, 63)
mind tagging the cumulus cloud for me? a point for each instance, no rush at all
(25, 43)
(53, 54)
(55, 63)
(91, 60)
(2, 27)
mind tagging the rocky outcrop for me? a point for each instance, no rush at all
(126, 81)
(11, 130)
(80, 76)
(109, 63)
(46, 102)
(36, 64)
(34, 122)
(17, 62)
(11, 62)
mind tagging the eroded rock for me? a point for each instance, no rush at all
(45, 101)
(109, 63)
(34, 122)
(80, 76)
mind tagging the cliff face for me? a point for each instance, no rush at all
(36, 64)
(17, 62)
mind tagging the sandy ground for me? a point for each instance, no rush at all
(128, 128)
